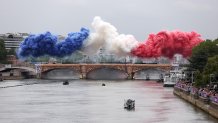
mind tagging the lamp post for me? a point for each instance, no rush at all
(211, 75)
(192, 76)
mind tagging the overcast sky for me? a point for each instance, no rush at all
(136, 17)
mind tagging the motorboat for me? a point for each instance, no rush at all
(129, 104)
(66, 82)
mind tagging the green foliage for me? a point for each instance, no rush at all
(198, 79)
(201, 79)
(200, 54)
(211, 68)
(11, 52)
(3, 52)
(212, 65)
(204, 60)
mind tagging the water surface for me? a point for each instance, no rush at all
(88, 102)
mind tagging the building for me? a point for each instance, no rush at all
(12, 41)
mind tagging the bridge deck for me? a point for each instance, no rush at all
(136, 65)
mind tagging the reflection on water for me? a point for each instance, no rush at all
(89, 102)
(107, 74)
(152, 74)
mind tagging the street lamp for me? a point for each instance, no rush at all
(211, 75)
(192, 76)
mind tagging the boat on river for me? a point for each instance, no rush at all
(129, 104)
(66, 82)
(171, 78)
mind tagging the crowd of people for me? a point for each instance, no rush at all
(208, 93)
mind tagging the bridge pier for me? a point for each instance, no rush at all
(38, 75)
(83, 76)
(131, 76)
(83, 71)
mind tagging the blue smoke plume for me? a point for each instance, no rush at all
(48, 44)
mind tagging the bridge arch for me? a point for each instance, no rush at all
(21, 68)
(17, 72)
(61, 73)
(150, 73)
(52, 69)
(106, 73)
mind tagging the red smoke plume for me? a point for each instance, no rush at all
(167, 44)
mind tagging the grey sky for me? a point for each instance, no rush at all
(136, 17)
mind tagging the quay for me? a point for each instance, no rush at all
(210, 107)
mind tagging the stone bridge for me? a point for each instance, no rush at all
(25, 67)
(17, 71)
(84, 69)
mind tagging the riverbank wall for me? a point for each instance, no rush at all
(202, 103)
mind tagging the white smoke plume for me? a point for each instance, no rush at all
(106, 36)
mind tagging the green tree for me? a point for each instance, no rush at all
(199, 79)
(211, 68)
(11, 52)
(204, 61)
(212, 65)
(3, 52)
(200, 54)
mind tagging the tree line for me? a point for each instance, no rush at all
(204, 61)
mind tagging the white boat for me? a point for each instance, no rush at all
(168, 82)
(171, 79)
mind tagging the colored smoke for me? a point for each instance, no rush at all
(167, 44)
(48, 44)
(164, 43)
(106, 36)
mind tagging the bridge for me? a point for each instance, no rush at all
(84, 69)
(26, 67)
(17, 71)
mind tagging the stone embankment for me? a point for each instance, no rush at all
(207, 104)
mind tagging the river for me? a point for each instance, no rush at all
(82, 101)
